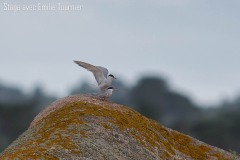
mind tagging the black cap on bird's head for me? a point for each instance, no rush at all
(110, 75)
(112, 88)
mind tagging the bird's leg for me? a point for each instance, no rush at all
(103, 99)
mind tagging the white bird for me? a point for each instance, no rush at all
(100, 73)
(107, 93)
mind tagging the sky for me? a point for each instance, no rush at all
(194, 44)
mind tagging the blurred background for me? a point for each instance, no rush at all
(177, 61)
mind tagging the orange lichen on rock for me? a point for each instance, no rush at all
(82, 127)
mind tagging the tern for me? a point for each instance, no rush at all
(101, 75)
(107, 93)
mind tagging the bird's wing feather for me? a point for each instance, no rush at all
(97, 72)
(104, 70)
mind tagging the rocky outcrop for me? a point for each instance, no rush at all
(86, 128)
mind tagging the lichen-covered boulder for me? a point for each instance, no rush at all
(85, 128)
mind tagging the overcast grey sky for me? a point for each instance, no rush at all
(194, 43)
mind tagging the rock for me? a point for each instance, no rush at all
(85, 128)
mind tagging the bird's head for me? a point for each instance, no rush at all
(112, 88)
(112, 76)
